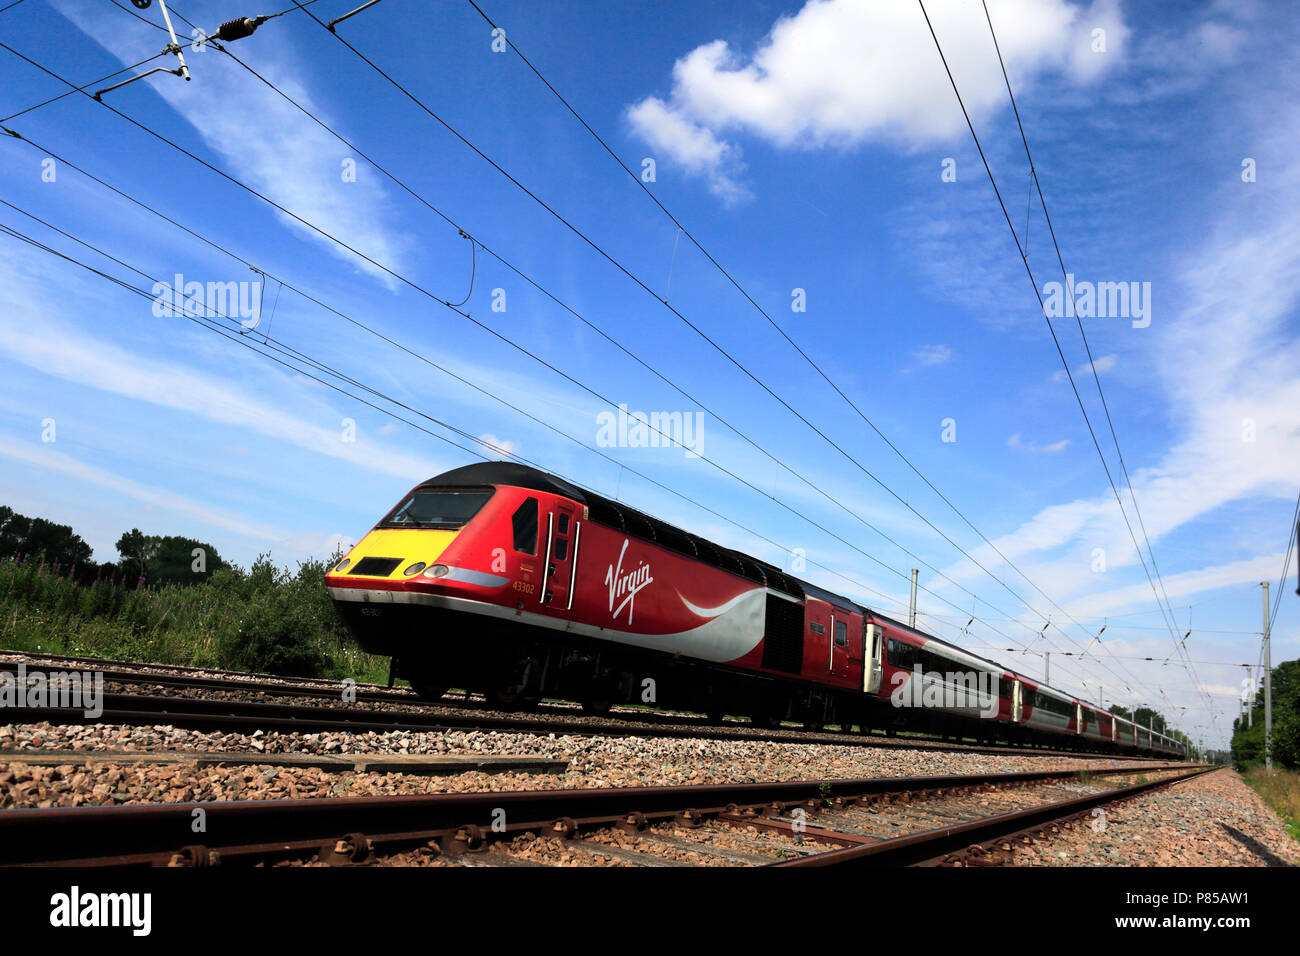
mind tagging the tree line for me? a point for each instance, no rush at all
(143, 559)
(1248, 730)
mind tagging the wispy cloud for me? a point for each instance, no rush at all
(1101, 365)
(1015, 441)
(262, 139)
(928, 355)
(86, 360)
(47, 458)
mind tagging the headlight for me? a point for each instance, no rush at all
(437, 571)
(415, 568)
(342, 565)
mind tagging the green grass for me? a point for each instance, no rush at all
(263, 619)
(1281, 791)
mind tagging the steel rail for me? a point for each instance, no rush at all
(972, 840)
(350, 829)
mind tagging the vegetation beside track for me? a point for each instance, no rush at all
(266, 619)
(1281, 791)
(1248, 733)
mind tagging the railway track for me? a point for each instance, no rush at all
(886, 821)
(231, 714)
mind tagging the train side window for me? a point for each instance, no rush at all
(524, 522)
(841, 634)
(561, 548)
(563, 527)
(901, 655)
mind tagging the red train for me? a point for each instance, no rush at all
(511, 581)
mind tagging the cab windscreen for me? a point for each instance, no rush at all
(437, 508)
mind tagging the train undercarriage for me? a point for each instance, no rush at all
(515, 665)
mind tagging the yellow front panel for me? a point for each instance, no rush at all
(409, 544)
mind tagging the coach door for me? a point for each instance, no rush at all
(839, 651)
(872, 639)
(563, 536)
(1078, 718)
(1017, 701)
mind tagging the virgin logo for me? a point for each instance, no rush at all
(625, 586)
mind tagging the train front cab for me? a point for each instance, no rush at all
(446, 550)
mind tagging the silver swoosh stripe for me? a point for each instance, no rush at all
(712, 612)
(481, 578)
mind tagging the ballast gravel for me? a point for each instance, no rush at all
(592, 762)
(1211, 820)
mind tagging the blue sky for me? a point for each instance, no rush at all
(804, 146)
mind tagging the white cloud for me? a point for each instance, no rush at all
(497, 447)
(928, 355)
(1249, 571)
(1015, 441)
(843, 72)
(1102, 365)
(693, 146)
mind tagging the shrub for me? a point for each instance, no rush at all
(266, 619)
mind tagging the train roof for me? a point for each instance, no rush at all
(506, 473)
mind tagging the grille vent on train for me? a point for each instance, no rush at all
(783, 635)
(376, 567)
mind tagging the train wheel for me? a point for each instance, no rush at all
(427, 689)
(504, 699)
(599, 696)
